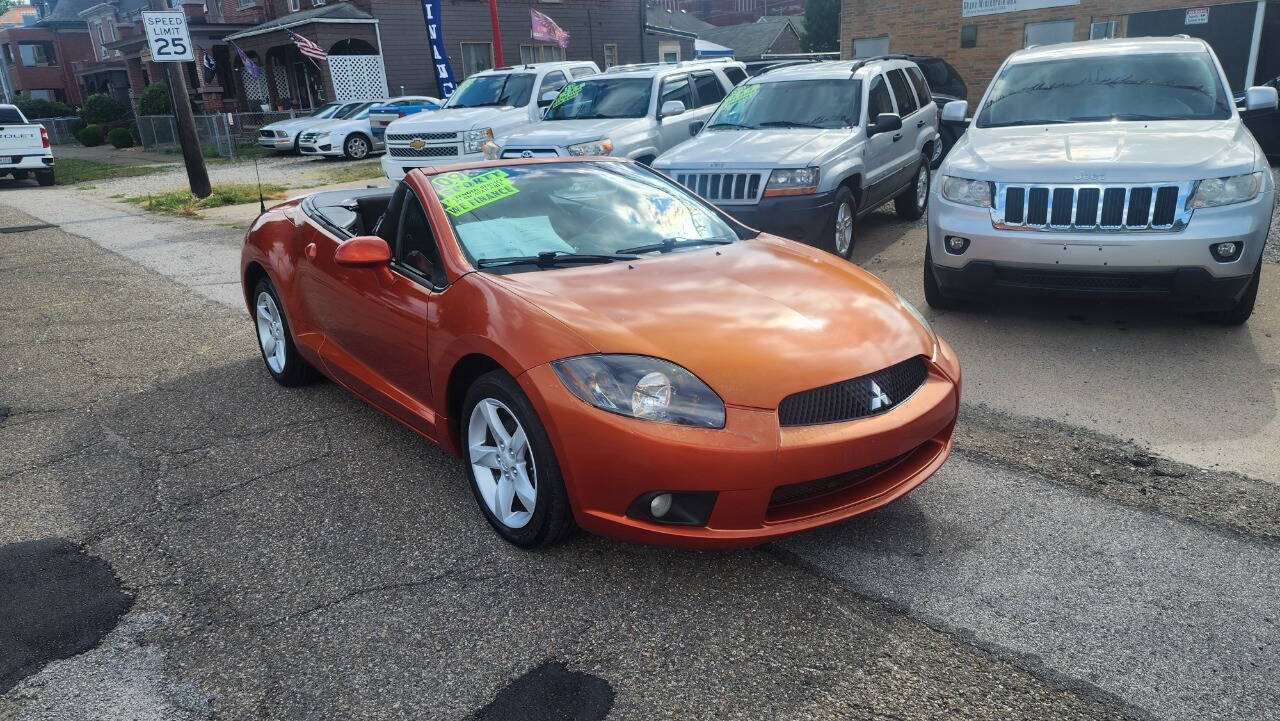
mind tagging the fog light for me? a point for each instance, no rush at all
(1226, 252)
(956, 245)
(660, 504)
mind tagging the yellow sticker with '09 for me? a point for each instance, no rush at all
(460, 194)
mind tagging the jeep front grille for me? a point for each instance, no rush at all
(532, 153)
(1092, 208)
(722, 188)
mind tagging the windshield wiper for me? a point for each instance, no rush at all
(1118, 116)
(549, 258)
(730, 125)
(1037, 121)
(666, 245)
(787, 124)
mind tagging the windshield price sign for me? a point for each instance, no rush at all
(167, 36)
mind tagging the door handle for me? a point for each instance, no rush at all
(311, 251)
(897, 137)
(919, 123)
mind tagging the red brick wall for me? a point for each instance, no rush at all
(68, 47)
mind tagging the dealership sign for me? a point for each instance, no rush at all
(439, 56)
(971, 8)
(1197, 16)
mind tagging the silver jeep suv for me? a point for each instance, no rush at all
(1105, 168)
(802, 151)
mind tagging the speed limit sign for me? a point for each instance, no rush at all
(168, 36)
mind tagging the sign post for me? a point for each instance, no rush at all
(169, 40)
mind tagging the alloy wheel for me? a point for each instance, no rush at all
(844, 229)
(502, 463)
(357, 148)
(270, 332)
(922, 186)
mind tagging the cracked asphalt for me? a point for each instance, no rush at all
(293, 554)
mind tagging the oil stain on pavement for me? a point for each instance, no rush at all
(551, 692)
(55, 602)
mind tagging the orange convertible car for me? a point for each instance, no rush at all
(602, 346)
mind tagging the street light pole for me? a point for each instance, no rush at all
(497, 33)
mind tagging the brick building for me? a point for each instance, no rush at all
(977, 35)
(38, 58)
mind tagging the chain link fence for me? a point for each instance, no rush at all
(218, 134)
(61, 130)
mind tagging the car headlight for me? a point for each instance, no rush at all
(792, 181)
(1226, 191)
(491, 150)
(967, 192)
(915, 313)
(475, 139)
(603, 146)
(642, 387)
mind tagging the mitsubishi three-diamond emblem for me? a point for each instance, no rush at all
(879, 399)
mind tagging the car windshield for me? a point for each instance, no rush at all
(605, 209)
(326, 111)
(1145, 86)
(347, 110)
(833, 103)
(360, 112)
(600, 98)
(500, 89)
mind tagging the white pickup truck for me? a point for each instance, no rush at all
(24, 147)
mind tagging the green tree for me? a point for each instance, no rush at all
(102, 108)
(7, 5)
(821, 26)
(154, 100)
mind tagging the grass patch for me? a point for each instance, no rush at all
(182, 202)
(69, 171)
(349, 172)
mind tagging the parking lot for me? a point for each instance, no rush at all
(1102, 545)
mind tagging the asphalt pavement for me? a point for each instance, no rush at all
(295, 554)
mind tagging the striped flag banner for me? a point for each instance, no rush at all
(306, 47)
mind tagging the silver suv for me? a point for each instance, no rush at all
(633, 111)
(1106, 168)
(802, 151)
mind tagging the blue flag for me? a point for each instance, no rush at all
(440, 59)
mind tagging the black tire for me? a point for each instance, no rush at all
(20, 174)
(296, 371)
(552, 517)
(912, 203)
(1239, 313)
(828, 241)
(933, 295)
(357, 147)
(44, 177)
(947, 139)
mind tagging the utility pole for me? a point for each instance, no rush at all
(170, 44)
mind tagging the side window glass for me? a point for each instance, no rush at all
(878, 100)
(677, 89)
(735, 74)
(922, 88)
(416, 246)
(580, 72)
(710, 91)
(902, 91)
(552, 81)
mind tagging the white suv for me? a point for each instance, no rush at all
(487, 106)
(1105, 168)
(632, 111)
(803, 151)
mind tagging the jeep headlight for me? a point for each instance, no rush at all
(641, 387)
(967, 192)
(604, 146)
(1226, 191)
(792, 181)
(475, 140)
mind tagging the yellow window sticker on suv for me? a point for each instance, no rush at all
(460, 194)
(740, 95)
(570, 91)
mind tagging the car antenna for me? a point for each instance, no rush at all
(262, 205)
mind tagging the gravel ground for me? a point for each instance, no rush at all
(287, 170)
(1271, 253)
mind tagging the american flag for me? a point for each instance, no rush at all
(306, 47)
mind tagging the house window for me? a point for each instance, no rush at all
(669, 51)
(295, 6)
(8, 54)
(476, 57)
(1050, 32)
(317, 3)
(39, 94)
(541, 53)
(870, 47)
(610, 55)
(36, 55)
(1099, 29)
(969, 36)
(102, 41)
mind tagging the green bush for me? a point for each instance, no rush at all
(41, 108)
(90, 135)
(154, 100)
(120, 137)
(101, 108)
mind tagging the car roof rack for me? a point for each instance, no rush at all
(859, 63)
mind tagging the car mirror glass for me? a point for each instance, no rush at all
(672, 107)
(955, 111)
(886, 122)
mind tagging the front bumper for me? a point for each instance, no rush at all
(276, 143)
(798, 217)
(396, 168)
(609, 461)
(323, 147)
(26, 162)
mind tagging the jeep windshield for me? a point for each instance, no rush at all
(600, 98)
(1134, 87)
(832, 103)
(489, 90)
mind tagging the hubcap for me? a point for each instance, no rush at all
(502, 463)
(358, 148)
(270, 332)
(922, 186)
(844, 228)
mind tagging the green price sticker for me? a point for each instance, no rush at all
(460, 194)
(740, 95)
(570, 91)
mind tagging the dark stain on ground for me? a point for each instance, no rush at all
(55, 602)
(551, 692)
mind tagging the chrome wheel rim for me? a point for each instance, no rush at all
(270, 332)
(357, 147)
(922, 186)
(844, 228)
(502, 463)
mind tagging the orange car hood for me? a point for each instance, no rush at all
(756, 320)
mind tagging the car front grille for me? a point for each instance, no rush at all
(428, 151)
(1102, 283)
(267, 133)
(724, 188)
(406, 137)
(809, 490)
(1092, 208)
(860, 397)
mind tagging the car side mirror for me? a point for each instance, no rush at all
(548, 98)
(955, 111)
(363, 251)
(1260, 97)
(695, 128)
(671, 107)
(885, 123)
